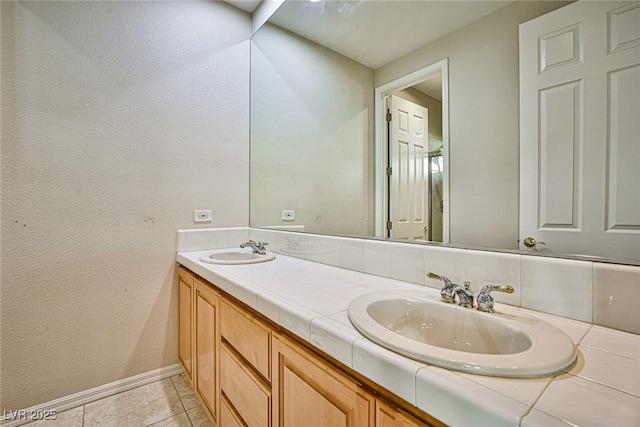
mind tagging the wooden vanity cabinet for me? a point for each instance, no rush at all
(229, 417)
(388, 415)
(199, 338)
(245, 367)
(248, 336)
(186, 292)
(206, 347)
(247, 371)
(309, 392)
(246, 393)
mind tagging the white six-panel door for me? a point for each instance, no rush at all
(408, 157)
(580, 130)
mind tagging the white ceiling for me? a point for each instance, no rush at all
(375, 33)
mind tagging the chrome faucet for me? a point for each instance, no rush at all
(465, 295)
(450, 290)
(486, 301)
(258, 247)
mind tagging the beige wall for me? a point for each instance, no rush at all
(118, 119)
(483, 121)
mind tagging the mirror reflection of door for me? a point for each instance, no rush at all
(415, 187)
(580, 96)
(408, 174)
(421, 198)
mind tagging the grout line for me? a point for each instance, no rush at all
(535, 402)
(164, 419)
(584, 335)
(189, 417)
(178, 393)
(186, 411)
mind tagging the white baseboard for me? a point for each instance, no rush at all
(96, 393)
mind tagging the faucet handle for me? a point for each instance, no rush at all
(485, 300)
(446, 293)
(444, 279)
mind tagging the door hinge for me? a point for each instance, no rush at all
(389, 116)
(389, 171)
(389, 225)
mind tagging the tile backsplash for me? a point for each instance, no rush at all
(600, 293)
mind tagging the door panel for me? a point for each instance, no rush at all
(560, 154)
(408, 157)
(624, 150)
(579, 127)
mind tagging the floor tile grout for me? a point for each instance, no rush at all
(180, 397)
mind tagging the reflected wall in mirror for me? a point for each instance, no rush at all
(312, 112)
(312, 136)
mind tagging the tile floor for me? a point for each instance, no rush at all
(166, 403)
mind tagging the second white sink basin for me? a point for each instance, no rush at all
(235, 256)
(418, 325)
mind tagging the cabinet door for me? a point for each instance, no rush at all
(390, 416)
(309, 392)
(185, 320)
(207, 341)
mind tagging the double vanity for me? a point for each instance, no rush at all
(300, 336)
(415, 324)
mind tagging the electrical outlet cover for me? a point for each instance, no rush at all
(288, 215)
(202, 215)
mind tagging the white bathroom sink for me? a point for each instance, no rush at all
(418, 325)
(235, 256)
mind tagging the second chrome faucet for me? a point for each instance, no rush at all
(257, 247)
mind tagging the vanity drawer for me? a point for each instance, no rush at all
(248, 336)
(228, 416)
(248, 394)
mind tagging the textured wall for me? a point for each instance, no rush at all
(118, 119)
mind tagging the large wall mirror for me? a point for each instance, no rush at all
(324, 76)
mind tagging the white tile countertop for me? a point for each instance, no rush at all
(311, 299)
